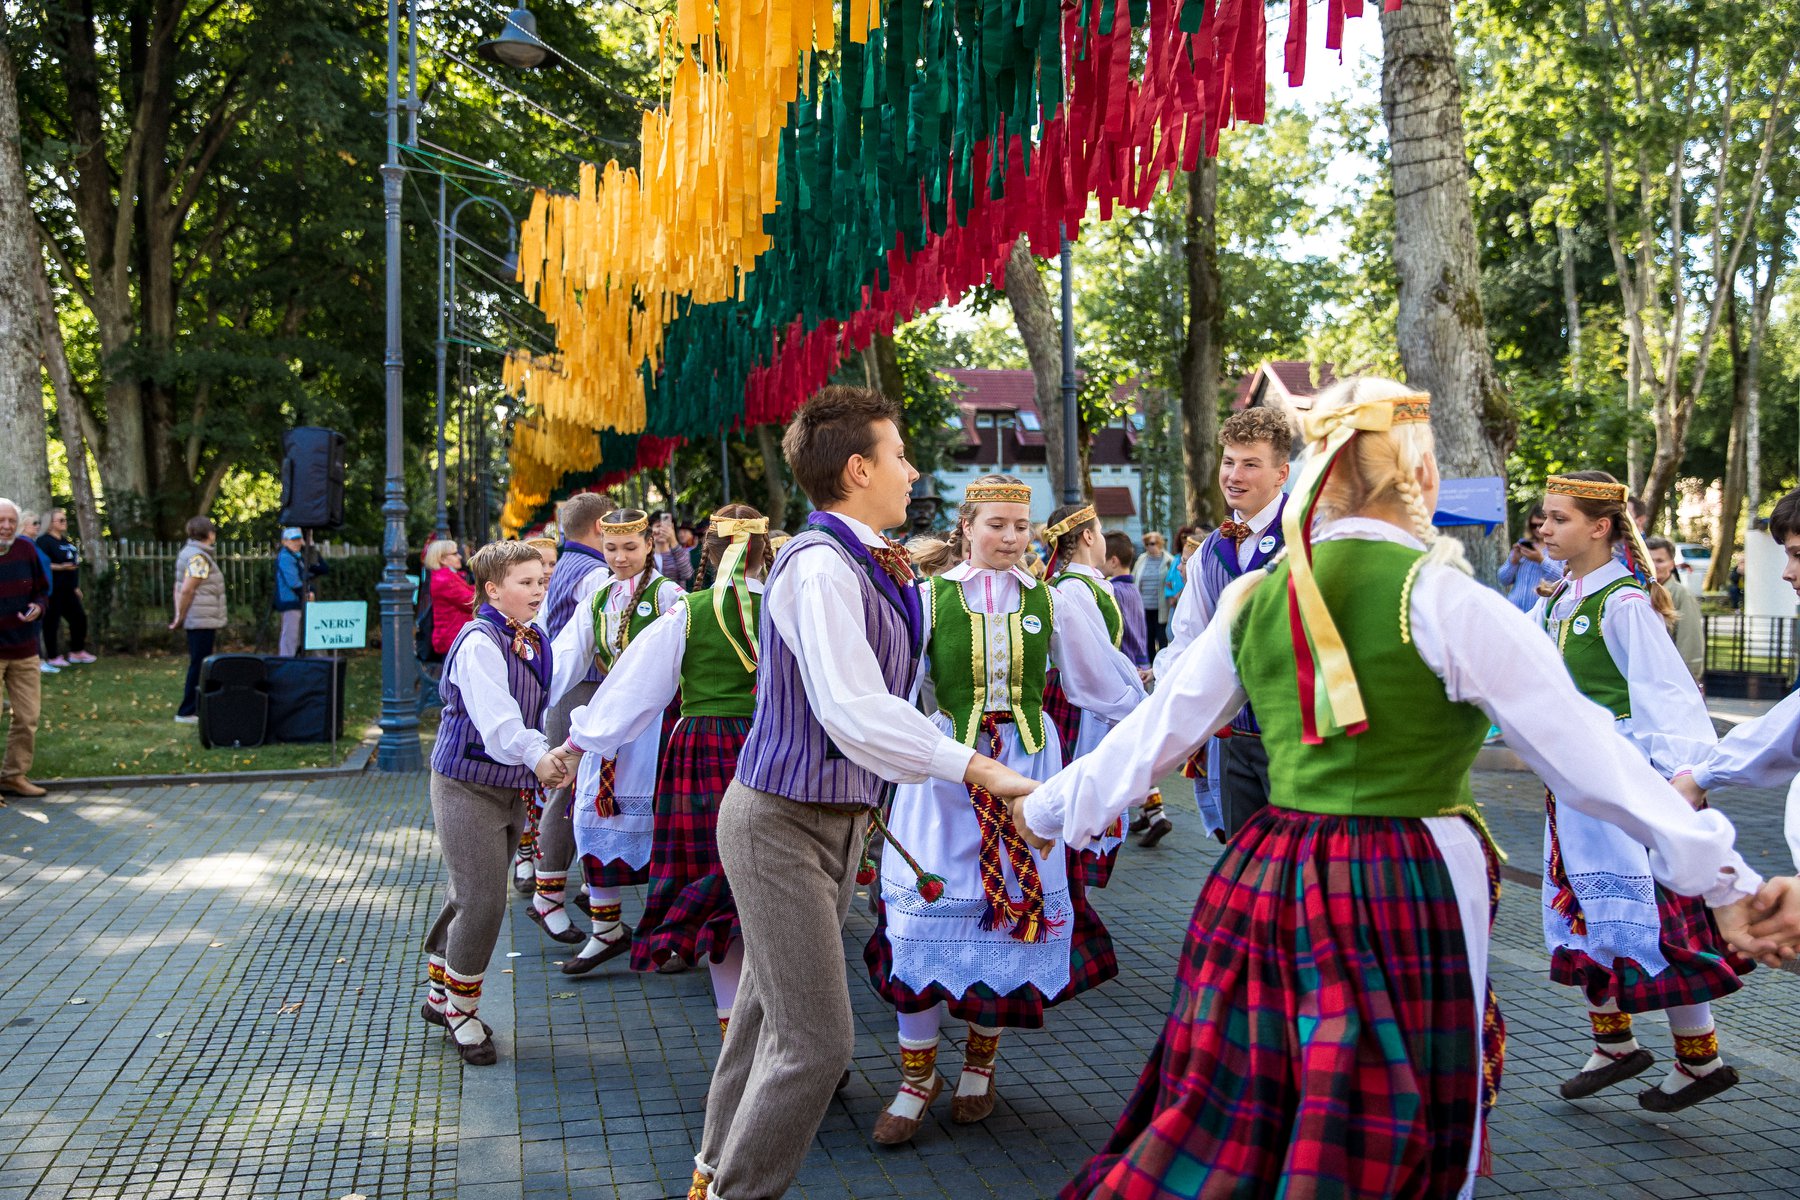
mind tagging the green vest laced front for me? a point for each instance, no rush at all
(961, 674)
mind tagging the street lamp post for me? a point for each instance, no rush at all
(398, 749)
(447, 239)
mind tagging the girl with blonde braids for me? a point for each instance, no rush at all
(1332, 1030)
(1629, 945)
(703, 650)
(614, 797)
(1009, 935)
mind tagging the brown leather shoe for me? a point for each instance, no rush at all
(966, 1110)
(568, 937)
(891, 1130)
(1583, 1084)
(581, 966)
(18, 785)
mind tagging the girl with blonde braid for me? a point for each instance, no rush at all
(1628, 944)
(1332, 1031)
(615, 798)
(1010, 934)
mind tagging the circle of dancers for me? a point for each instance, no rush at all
(981, 724)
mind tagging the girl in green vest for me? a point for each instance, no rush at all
(1010, 935)
(1630, 945)
(704, 650)
(1332, 1031)
(614, 796)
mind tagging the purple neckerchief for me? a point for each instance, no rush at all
(540, 666)
(568, 547)
(906, 599)
(1258, 557)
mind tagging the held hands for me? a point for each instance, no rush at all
(1765, 926)
(1016, 808)
(557, 767)
(1006, 784)
(1690, 791)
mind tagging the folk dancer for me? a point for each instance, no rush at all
(614, 797)
(1254, 448)
(704, 650)
(1332, 1028)
(842, 632)
(1630, 946)
(1001, 936)
(489, 753)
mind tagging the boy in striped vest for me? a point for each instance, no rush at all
(489, 753)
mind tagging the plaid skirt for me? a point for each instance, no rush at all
(689, 912)
(1096, 867)
(1091, 963)
(1322, 1036)
(1701, 966)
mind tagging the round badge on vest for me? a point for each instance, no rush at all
(644, 609)
(1032, 625)
(1267, 544)
(1581, 625)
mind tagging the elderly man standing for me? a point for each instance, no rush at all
(291, 590)
(24, 592)
(199, 608)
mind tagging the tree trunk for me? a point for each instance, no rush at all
(1201, 347)
(25, 467)
(774, 485)
(69, 405)
(1039, 330)
(1565, 248)
(1441, 331)
(1731, 497)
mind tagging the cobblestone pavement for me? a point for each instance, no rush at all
(212, 992)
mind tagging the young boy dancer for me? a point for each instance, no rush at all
(1253, 467)
(488, 753)
(842, 630)
(581, 571)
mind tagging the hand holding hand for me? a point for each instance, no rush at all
(1016, 808)
(1690, 791)
(1765, 926)
(555, 768)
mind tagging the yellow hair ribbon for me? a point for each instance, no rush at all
(732, 578)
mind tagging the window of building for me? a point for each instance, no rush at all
(1029, 421)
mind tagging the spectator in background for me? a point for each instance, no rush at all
(452, 595)
(199, 608)
(1528, 566)
(24, 594)
(546, 548)
(688, 540)
(1134, 643)
(64, 564)
(29, 527)
(1151, 574)
(671, 559)
(1690, 629)
(292, 590)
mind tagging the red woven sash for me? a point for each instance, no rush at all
(1025, 916)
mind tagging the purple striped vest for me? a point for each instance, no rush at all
(1218, 567)
(459, 753)
(574, 563)
(787, 752)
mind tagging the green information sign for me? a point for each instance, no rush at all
(337, 624)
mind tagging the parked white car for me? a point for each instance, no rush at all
(1692, 562)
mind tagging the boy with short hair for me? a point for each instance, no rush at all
(489, 752)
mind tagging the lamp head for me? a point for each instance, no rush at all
(518, 45)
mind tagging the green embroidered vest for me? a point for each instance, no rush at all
(1584, 651)
(959, 661)
(1106, 599)
(1413, 759)
(608, 644)
(713, 680)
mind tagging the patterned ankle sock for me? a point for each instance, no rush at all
(918, 1067)
(460, 1014)
(1696, 1055)
(549, 900)
(978, 1060)
(608, 925)
(697, 1189)
(437, 990)
(724, 1023)
(1613, 1038)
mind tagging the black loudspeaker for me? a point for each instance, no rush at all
(301, 707)
(312, 478)
(234, 700)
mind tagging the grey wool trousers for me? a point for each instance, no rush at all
(792, 869)
(478, 830)
(556, 828)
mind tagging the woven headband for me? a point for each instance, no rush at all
(1586, 489)
(1074, 520)
(624, 528)
(999, 493)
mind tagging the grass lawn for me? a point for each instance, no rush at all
(116, 717)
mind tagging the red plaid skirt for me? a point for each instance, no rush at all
(1322, 1035)
(689, 912)
(612, 873)
(1096, 868)
(1701, 967)
(1091, 963)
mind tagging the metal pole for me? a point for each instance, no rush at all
(1071, 492)
(442, 527)
(725, 467)
(398, 749)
